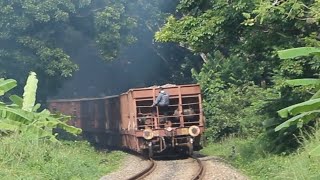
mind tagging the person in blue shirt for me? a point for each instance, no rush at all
(162, 101)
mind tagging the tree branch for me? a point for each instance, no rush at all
(203, 55)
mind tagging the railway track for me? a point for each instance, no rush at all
(150, 169)
(145, 172)
(201, 171)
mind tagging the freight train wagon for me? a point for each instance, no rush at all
(129, 121)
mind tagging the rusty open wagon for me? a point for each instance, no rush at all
(129, 120)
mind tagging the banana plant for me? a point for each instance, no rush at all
(6, 85)
(22, 115)
(306, 111)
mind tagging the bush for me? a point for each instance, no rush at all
(250, 156)
(22, 158)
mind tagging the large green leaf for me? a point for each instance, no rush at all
(37, 132)
(296, 52)
(303, 118)
(6, 85)
(16, 115)
(316, 95)
(36, 107)
(16, 100)
(303, 82)
(306, 106)
(70, 129)
(30, 90)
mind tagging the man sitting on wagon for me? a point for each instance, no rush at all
(162, 102)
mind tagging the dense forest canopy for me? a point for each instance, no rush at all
(37, 35)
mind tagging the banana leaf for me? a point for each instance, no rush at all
(16, 115)
(296, 52)
(306, 106)
(36, 107)
(54, 123)
(35, 132)
(30, 90)
(316, 95)
(6, 85)
(16, 100)
(303, 118)
(303, 82)
(71, 129)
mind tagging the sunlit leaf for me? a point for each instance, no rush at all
(36, 107)
(16, 100)
(6, 85)
(16, 115)
(306, 106)
(305, 117)
(303, 82)
(316, 95)
(296, 52)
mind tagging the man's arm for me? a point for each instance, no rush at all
(157, 100)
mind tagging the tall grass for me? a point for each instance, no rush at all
(249, 156)
(22, 158)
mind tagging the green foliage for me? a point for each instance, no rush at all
(24, 118)
(251, 157)
(305, 111)
(232, 102)
(303, 82)
(22, 158)
(16, 100)
(111, 24)
(33, 36)
(297, 52)
(300, 108)
(6, 85)
(243, 81)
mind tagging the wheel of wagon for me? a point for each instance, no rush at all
(190, 149)
(150, 152)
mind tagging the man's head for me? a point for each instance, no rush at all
(161, 90)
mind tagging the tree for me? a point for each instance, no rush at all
(238, 41)
(31, 33)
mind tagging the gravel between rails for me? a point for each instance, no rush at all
(131, 166)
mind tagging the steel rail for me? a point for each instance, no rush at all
(145, 172)
(201, 170)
